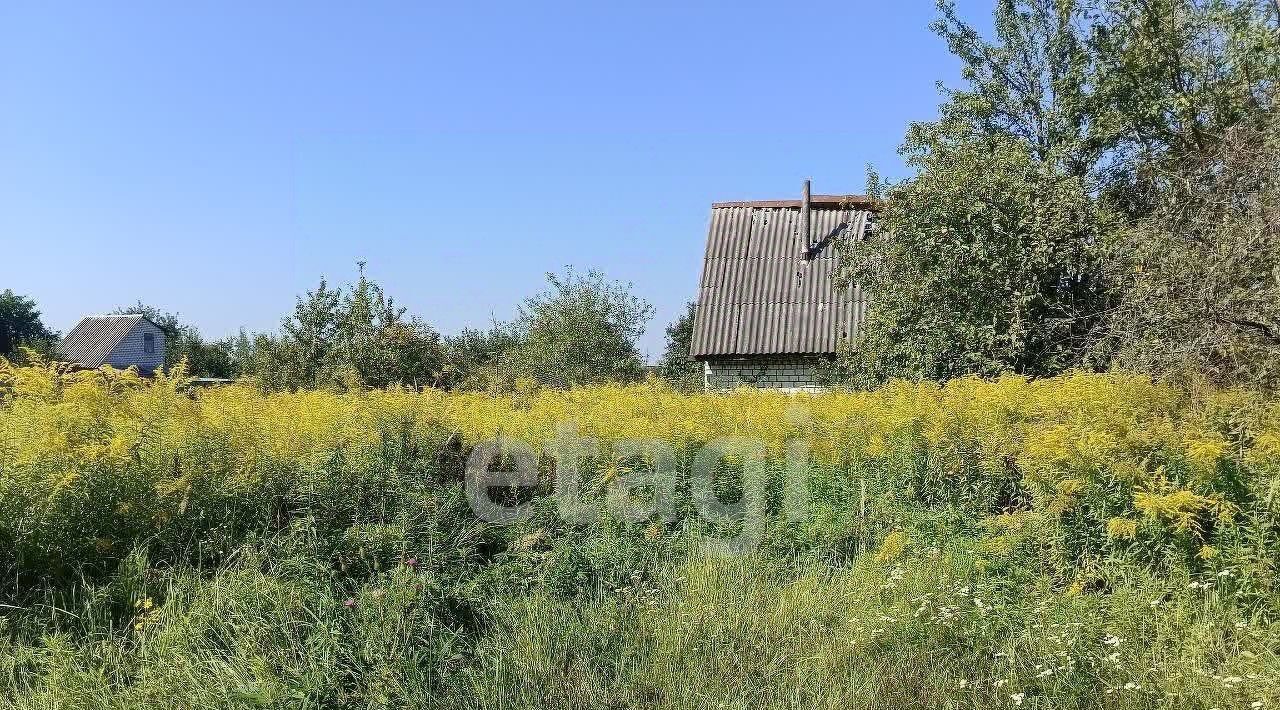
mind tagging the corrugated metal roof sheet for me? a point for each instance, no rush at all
(764, 291)
(93, 339)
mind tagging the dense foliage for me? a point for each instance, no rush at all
(1101, 192)
(1082, 131)
(1081, 541)
(20, 326)
(1201, 275)
(582, 330)
(676, 367)
(338, 339)
(473, 357)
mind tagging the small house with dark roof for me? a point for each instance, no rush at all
(118, 341)
(769, 308)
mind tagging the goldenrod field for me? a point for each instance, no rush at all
(1080, 541)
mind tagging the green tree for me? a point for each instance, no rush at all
(1173, 78)
(1201, 275)
(987, 260)
(474, 358)
(20, 325)
(1075, 122)
(582, 330)
(303, 353)
(339, 340)
(676, 366)
(375, 341)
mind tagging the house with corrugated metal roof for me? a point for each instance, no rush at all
(118, 341)
(769, 308)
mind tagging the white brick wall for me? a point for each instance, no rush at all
(789, 374)
(131, 350)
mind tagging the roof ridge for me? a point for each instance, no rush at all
(854, 201)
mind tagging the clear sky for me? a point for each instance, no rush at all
(216, 159)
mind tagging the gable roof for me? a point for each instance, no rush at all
(766, 290)
(94, 337)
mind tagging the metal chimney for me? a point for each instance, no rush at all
(806, 235)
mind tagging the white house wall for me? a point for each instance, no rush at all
(130, 351)
(788, 374)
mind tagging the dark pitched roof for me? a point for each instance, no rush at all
(765, 290)
(93, 339)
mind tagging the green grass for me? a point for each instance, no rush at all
(604, 616)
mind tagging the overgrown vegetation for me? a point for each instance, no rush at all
(1091, 140)
(582, 330)
(344, 340)
(1201, 274)
(1081, 541)
(1101, 194)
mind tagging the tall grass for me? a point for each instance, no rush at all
(1085, 541)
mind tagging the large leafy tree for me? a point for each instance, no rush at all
(1201, 274)
(1189, 91)
(20, 325)
(1076, 121)
(582, 330)
(304, 354)
(374, 340)
(988, 260)
(1173, 79)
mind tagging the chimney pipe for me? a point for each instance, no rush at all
(805, 233)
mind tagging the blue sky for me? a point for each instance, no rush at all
(216, 159)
